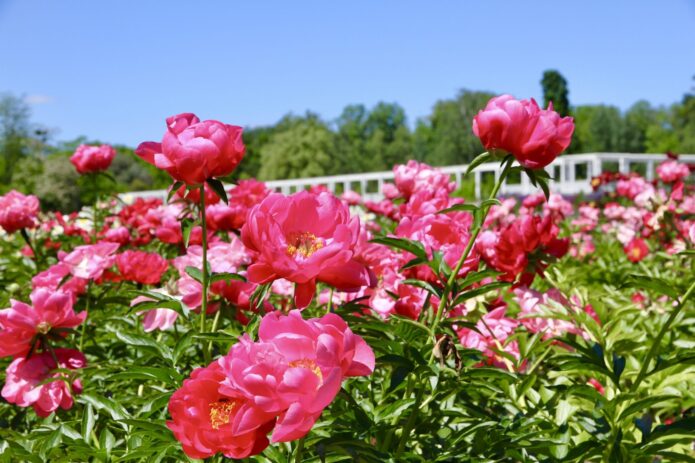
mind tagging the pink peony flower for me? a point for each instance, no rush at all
(89, 159)
(50, 314)
(18, 211)
(490, 336)
(155, 319)
(142, 267)
(52, 277)
(207, 420)
(90, 260)
(32, 382)
(304, 238)
(295, 370)
(533, 135)
(414, 176)
(193, 151)
(119, 235)
(672, 171)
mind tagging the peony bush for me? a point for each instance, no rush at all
(239, 323)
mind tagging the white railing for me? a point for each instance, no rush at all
(571, 173)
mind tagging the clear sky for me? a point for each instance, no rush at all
(113, 70)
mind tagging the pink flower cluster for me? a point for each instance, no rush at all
(18, 211)
(281, 383)
(91, 159)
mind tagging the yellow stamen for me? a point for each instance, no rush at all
(303, 243)
(309, 364)
(220, 413)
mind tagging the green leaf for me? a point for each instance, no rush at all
(195, 273)
(459, 207)
(187, 225)
(410, 246)
(88, 420)
(479, 291)
(653, 283)
(226, 276)
(174, 188)
(424, 285)
(218, 188)
(645, 403)
(481, 158)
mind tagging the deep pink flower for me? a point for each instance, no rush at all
(141, 267)
(536, 309)
(89, 159)
(304, 238)
(52, 277)
(90, 260)
(119, 235)
(18, 211)
(490, 336)
(296, 368)
(207, 421)
(50, 313)
(193, 151)
(672, 171)
(533, 135)
(32, 382)
(636, 250)
(415, 176)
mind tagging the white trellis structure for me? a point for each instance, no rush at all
(571, 173)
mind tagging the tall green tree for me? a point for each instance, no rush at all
(14, 132)
(304, 149)
(446, 136)
(555, 90)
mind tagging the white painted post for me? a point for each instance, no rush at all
(478, 181)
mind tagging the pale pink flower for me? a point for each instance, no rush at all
(90, 260)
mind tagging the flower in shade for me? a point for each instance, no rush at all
(90, 260)
(18, 211)
(207, 421)
(32, 382)
(636, 250)
(192, 151)
(142, 267)
(89, 159)
(534, 136)
(50, 314)
(305, 238)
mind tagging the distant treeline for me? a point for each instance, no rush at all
(361, 139)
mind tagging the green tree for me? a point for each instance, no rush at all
(598, 128)
(446, 136)
(637, 121)
(304, 149)
(57, 187)
(555, 90)
(14, 131)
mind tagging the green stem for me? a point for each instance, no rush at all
(84, 323)
(205, 283)
(657, 342)
(299, 450)
(95, 213)
(27, 239)
(477, 227)
(215, 322)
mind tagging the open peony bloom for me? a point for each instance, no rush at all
(533, 135)
(490, 337)
(18, 211)
(53, 276)
(636, 250)
(305, 238)
(90, 260)
(32, 382)
(89, 159)
(296, 369)
(207, 421)
(50, 314)
(141, 267)
(192, 151)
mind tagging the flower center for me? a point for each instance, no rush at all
(636, 253)
(220, 412)
(304, 244)
(43, 327)
(308, 364)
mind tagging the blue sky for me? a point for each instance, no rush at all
(113, 70)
